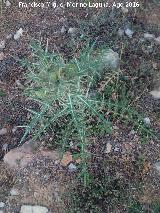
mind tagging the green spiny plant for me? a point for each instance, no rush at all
(62, 89)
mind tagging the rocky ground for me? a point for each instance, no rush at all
(39, 179)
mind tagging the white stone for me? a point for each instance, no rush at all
(39, 209)
(72, 30)
(108, 148)
(116, 149)
(33, 209)
(26, 209)
(18, 34)
(1, 56)
(120, 32)
(14, 192)
(129, 32)
(2, 44)
(115, 127)
(2, 204)
(3, 131)
(156, 93)
(14, 129)
(157, 40)
(147, 121)
(8, 3)
(9, 36)
(149, 36)
(110, 59)
(157, 166)
(1, 211)
(5, 147)
(72, 167)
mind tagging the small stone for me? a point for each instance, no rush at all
(9, 36)
(116, 149)
(5, 147)
(3, 131)
(129, 32)
(18, 34)
(33, 209)
(26, 209)
(71, 144)
(156, 93)
(14, 192)
(150, 49)
(108, 148)
(39, 209)
(72, 31)
(36, 194)
(19, 83)
(72, 167)
(155, 65)
(120, 32)
(63, 30)
(1, 211)
(2, 44)
(8, 3)
(14, 129)
(2, 205)
(115, 127)
(157, 40)
(147, 121)
(157, 166)
(1, 56)
(149, 36)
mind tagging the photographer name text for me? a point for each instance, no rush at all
(71, 4)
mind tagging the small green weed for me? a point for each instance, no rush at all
(2, 93)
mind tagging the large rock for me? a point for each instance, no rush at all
(20, 157)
